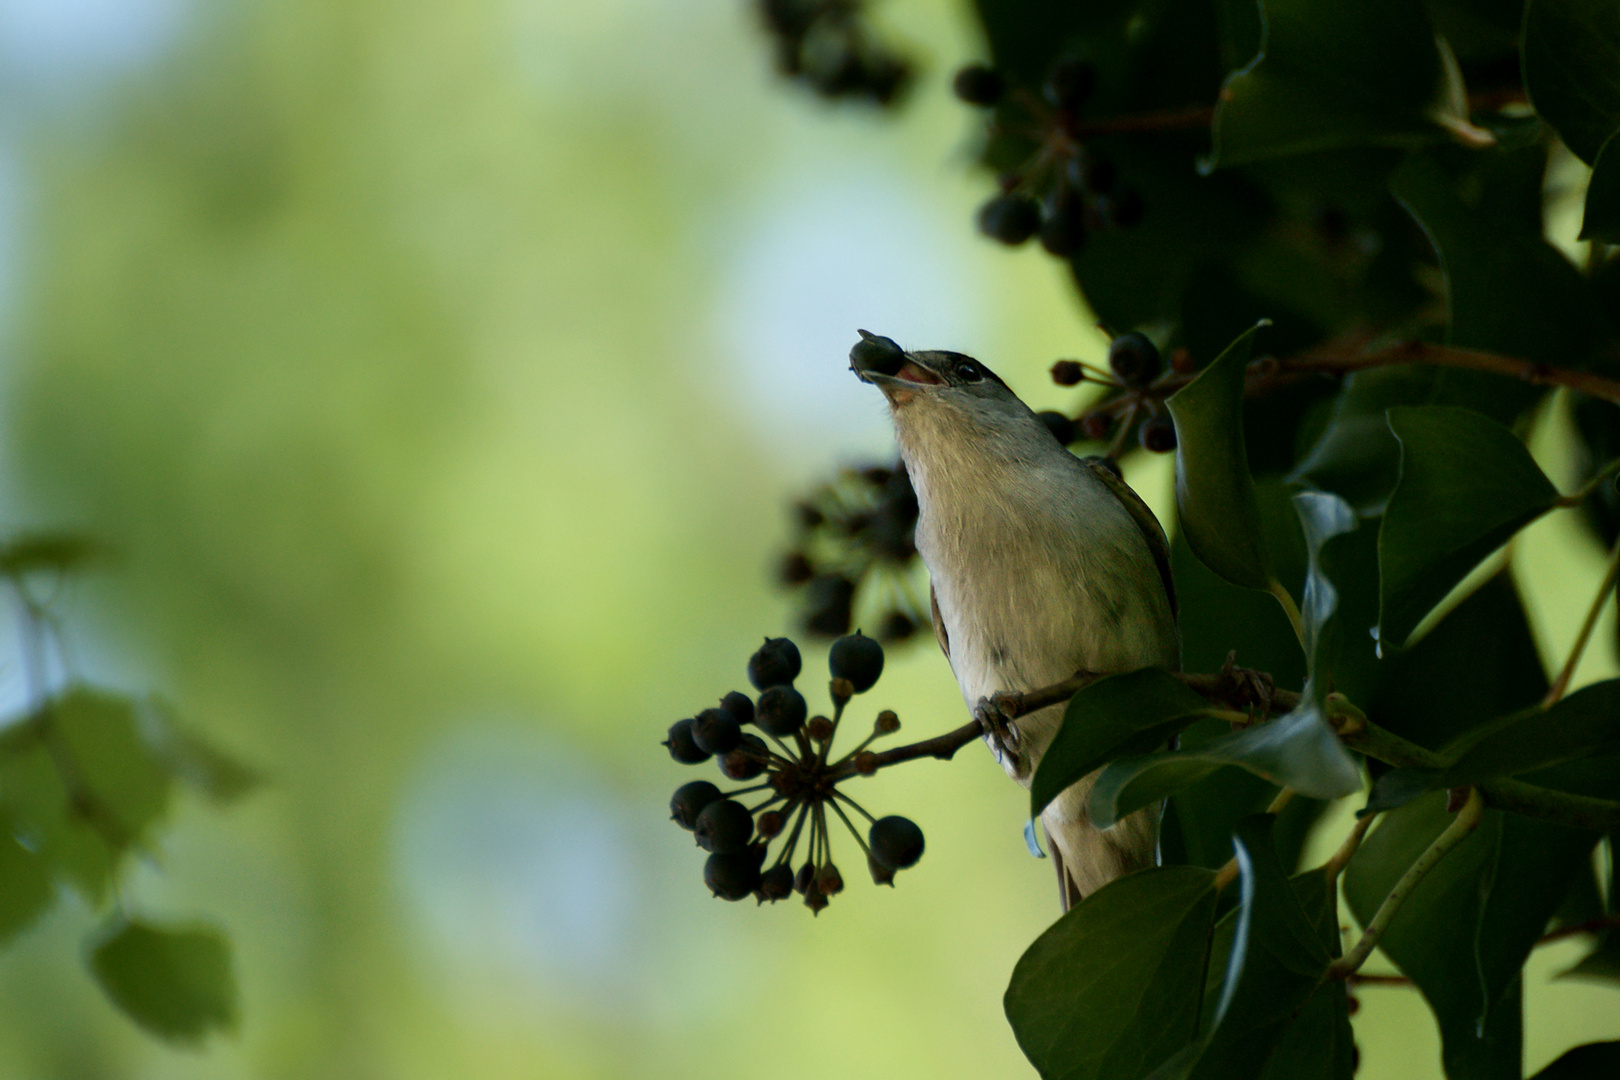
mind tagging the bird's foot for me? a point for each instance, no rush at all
(997, 722)
(1253, 689)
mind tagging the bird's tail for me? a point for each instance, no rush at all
(1087, 857)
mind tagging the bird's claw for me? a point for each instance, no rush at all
(997, 723)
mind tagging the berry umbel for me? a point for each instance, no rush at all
(799, 781)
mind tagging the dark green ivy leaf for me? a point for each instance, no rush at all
(1572, 69)
(173, 981)
(1508, 290)
(1331, 75)
(1216, 505)
(1466, 486)
(1111, 989)
(1434, 935)
(1278, 942)
(1602, 217)
(1594, 1061)
(1113, 717)
(1298, 751)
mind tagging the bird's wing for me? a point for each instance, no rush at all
(940, 634)
(1146, 523)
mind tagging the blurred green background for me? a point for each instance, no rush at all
(438, 376)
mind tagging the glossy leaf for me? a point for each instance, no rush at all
(1572, 69)
(1594, 1061)
(1111, 989)
(1475, 665)
(1277, 943)
(1466, 486)
(173, 981)
(1601, 220)
(25, 884)
(1330, 75)
(1434, 935)
(1298, 751)
(1216, 505)
(1113, 717)
(1507, 290)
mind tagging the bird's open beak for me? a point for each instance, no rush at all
(884, 364)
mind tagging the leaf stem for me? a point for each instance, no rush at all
(1561, 683)
(1466, 821)
(1591, 485)
(1347, 850)
(1290, 609)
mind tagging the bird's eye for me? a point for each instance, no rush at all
(968, 371)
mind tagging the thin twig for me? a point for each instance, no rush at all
(1462, 825)
(1561, 683)
(1590, 926)
(1347, 850)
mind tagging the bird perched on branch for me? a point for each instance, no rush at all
(1042, 565)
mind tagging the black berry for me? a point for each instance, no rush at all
(896, 842)
(724, 827)
(796, 569)
(830, 601)
(896, 626)
(1097, 174)
(1068, 373)
(747, 761)
(829, 881)
(1134, 358)
(776, 884)
(740, 705)
(875, 353)
(775, 663)
(1063, 230)
(732, 876)
(1096, 425)
(979, 85)
(1061, 427)
(1157, 434)
(805, 878)
(689, 800)
(1070, 83)
(681, 746)
(857, 658)
(1010, 218)
(716, 731)
(781, 711)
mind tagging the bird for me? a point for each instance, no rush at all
(1041, 565)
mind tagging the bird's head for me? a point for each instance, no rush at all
(940, 391)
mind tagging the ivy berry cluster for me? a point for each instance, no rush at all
(1064, 191)
(1136, 372)
(828, 45)
(864, 521)
(799, 781)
